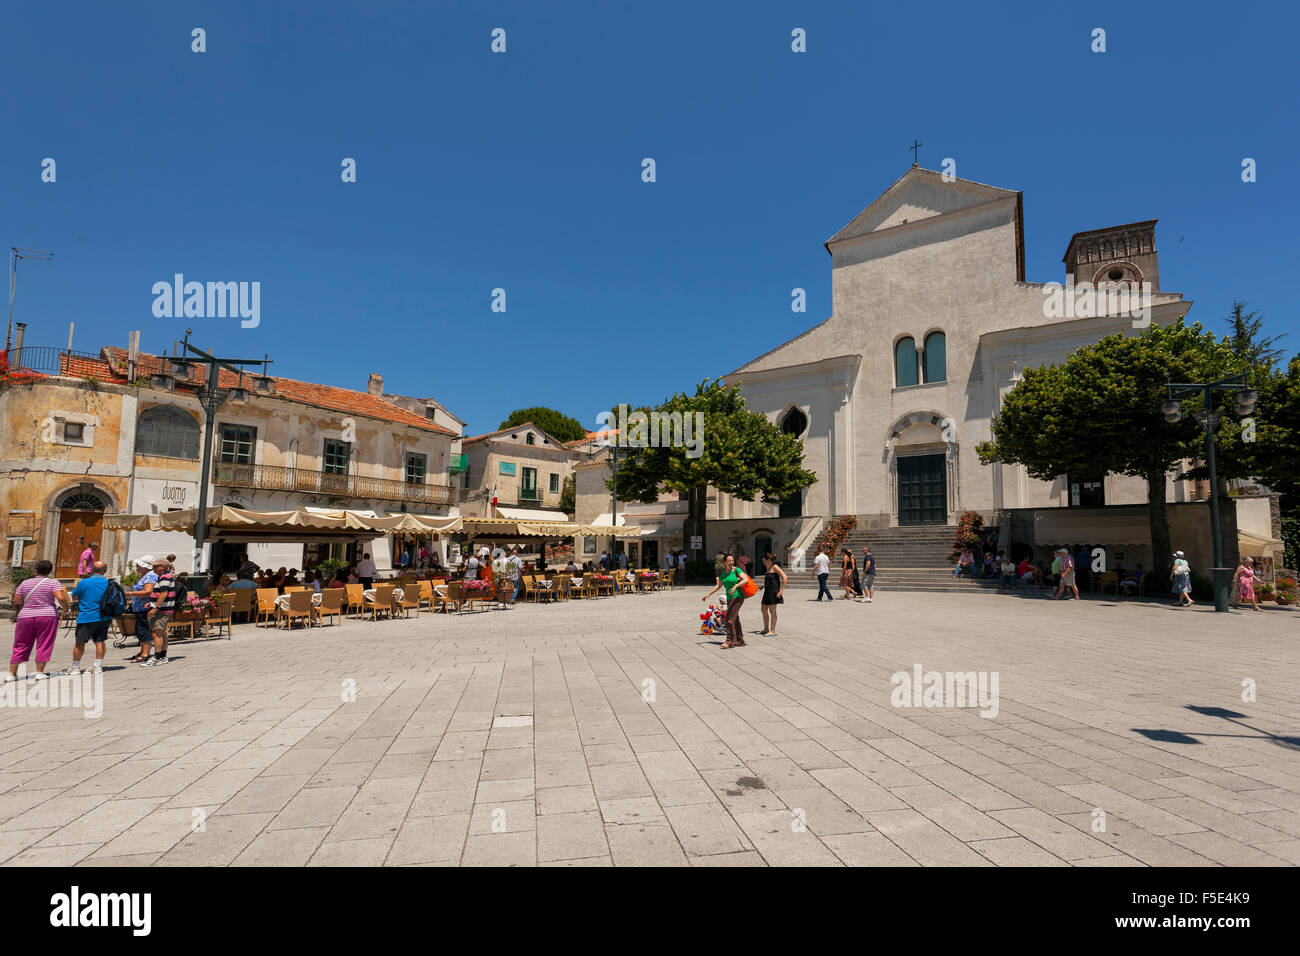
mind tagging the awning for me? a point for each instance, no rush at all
(1063, 527)
(1258, 546)
(533, 514)
(609, 530)
(227, 520)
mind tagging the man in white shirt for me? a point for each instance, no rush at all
(471, 569)
(822, 568)
(681, 562)
(515, 570)
(366, 571)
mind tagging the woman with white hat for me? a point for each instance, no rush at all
(1181, 575)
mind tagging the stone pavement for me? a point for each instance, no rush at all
(523, 737)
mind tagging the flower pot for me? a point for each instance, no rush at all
(1284, 598)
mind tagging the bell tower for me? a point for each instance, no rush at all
(1114, 254)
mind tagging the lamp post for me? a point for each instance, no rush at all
(182, 367)
(1172, 410)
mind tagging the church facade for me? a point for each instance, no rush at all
(933, 321)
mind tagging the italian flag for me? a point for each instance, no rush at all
(494, 496)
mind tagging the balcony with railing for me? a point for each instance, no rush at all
(279, 478)
(530, 494)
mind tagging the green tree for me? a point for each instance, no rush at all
(741, 453)
(1100, 412)
(556, 424)
(1247, 341)
(1266, 447)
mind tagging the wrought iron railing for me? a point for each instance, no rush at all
(279, 478)
(530, 494)
(44, 360)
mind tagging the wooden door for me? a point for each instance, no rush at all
(922, 490)
(76, 530)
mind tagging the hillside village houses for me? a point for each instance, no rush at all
(932, 322)
(92, 434)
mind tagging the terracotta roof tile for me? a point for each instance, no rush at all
(292, 390)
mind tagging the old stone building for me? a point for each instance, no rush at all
(524, 466)
(933, 321)
(86, 435)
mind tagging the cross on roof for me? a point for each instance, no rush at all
(916, 145)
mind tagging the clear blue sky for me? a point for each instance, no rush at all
(522, 171)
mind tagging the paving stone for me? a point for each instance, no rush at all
(788, 753)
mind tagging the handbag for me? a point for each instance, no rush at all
(748, 587)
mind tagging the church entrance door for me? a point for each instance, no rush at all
(922, 490)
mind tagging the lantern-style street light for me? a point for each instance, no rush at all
(1172, 410)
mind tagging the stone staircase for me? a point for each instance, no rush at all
(909, 559)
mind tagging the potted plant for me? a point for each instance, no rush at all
(1265, 592)
(1286, 591)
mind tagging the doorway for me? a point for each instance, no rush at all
(76, 530)
(922, 490)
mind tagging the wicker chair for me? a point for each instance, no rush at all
(355, 600)
(383, 602)
(243, 602)
(266, 603)
(299, 607)
(331, 604)
(410, 599)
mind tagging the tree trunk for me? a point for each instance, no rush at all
(693, 526)
(1161, 550)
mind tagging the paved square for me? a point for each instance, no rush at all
(609, 732)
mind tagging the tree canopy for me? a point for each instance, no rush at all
(741, 453)
(1099, 413)
(555, 423)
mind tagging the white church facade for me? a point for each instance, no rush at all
(933, 321)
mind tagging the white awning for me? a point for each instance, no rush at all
(608, 520)
(532, 514)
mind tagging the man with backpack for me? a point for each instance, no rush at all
(168, 592)
(99, 601)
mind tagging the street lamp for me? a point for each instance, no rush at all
(1172, 410)
(211, 398)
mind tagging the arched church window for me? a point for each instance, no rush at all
(905, 371)
(935, 360)
(794, 422)
(167, 431)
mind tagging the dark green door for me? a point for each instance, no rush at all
(922, 490)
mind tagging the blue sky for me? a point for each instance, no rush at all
(522, 171)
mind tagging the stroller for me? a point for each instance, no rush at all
(714, 620)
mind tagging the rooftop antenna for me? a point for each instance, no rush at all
(15, 254)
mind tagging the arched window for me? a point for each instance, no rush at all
(905, 363)
(935, 358)
(167, 431)
(793, 422)
(82, 501)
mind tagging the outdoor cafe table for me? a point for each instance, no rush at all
(282, 602)
(398, 594)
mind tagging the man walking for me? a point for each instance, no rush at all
(164, 609)
(92, 623)
(1067, 575)
(822, 568)
(515, 571)
(868, 574)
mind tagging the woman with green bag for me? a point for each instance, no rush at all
(737, 585)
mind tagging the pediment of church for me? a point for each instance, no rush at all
(918, 195)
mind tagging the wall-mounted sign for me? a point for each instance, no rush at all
(507, 468)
